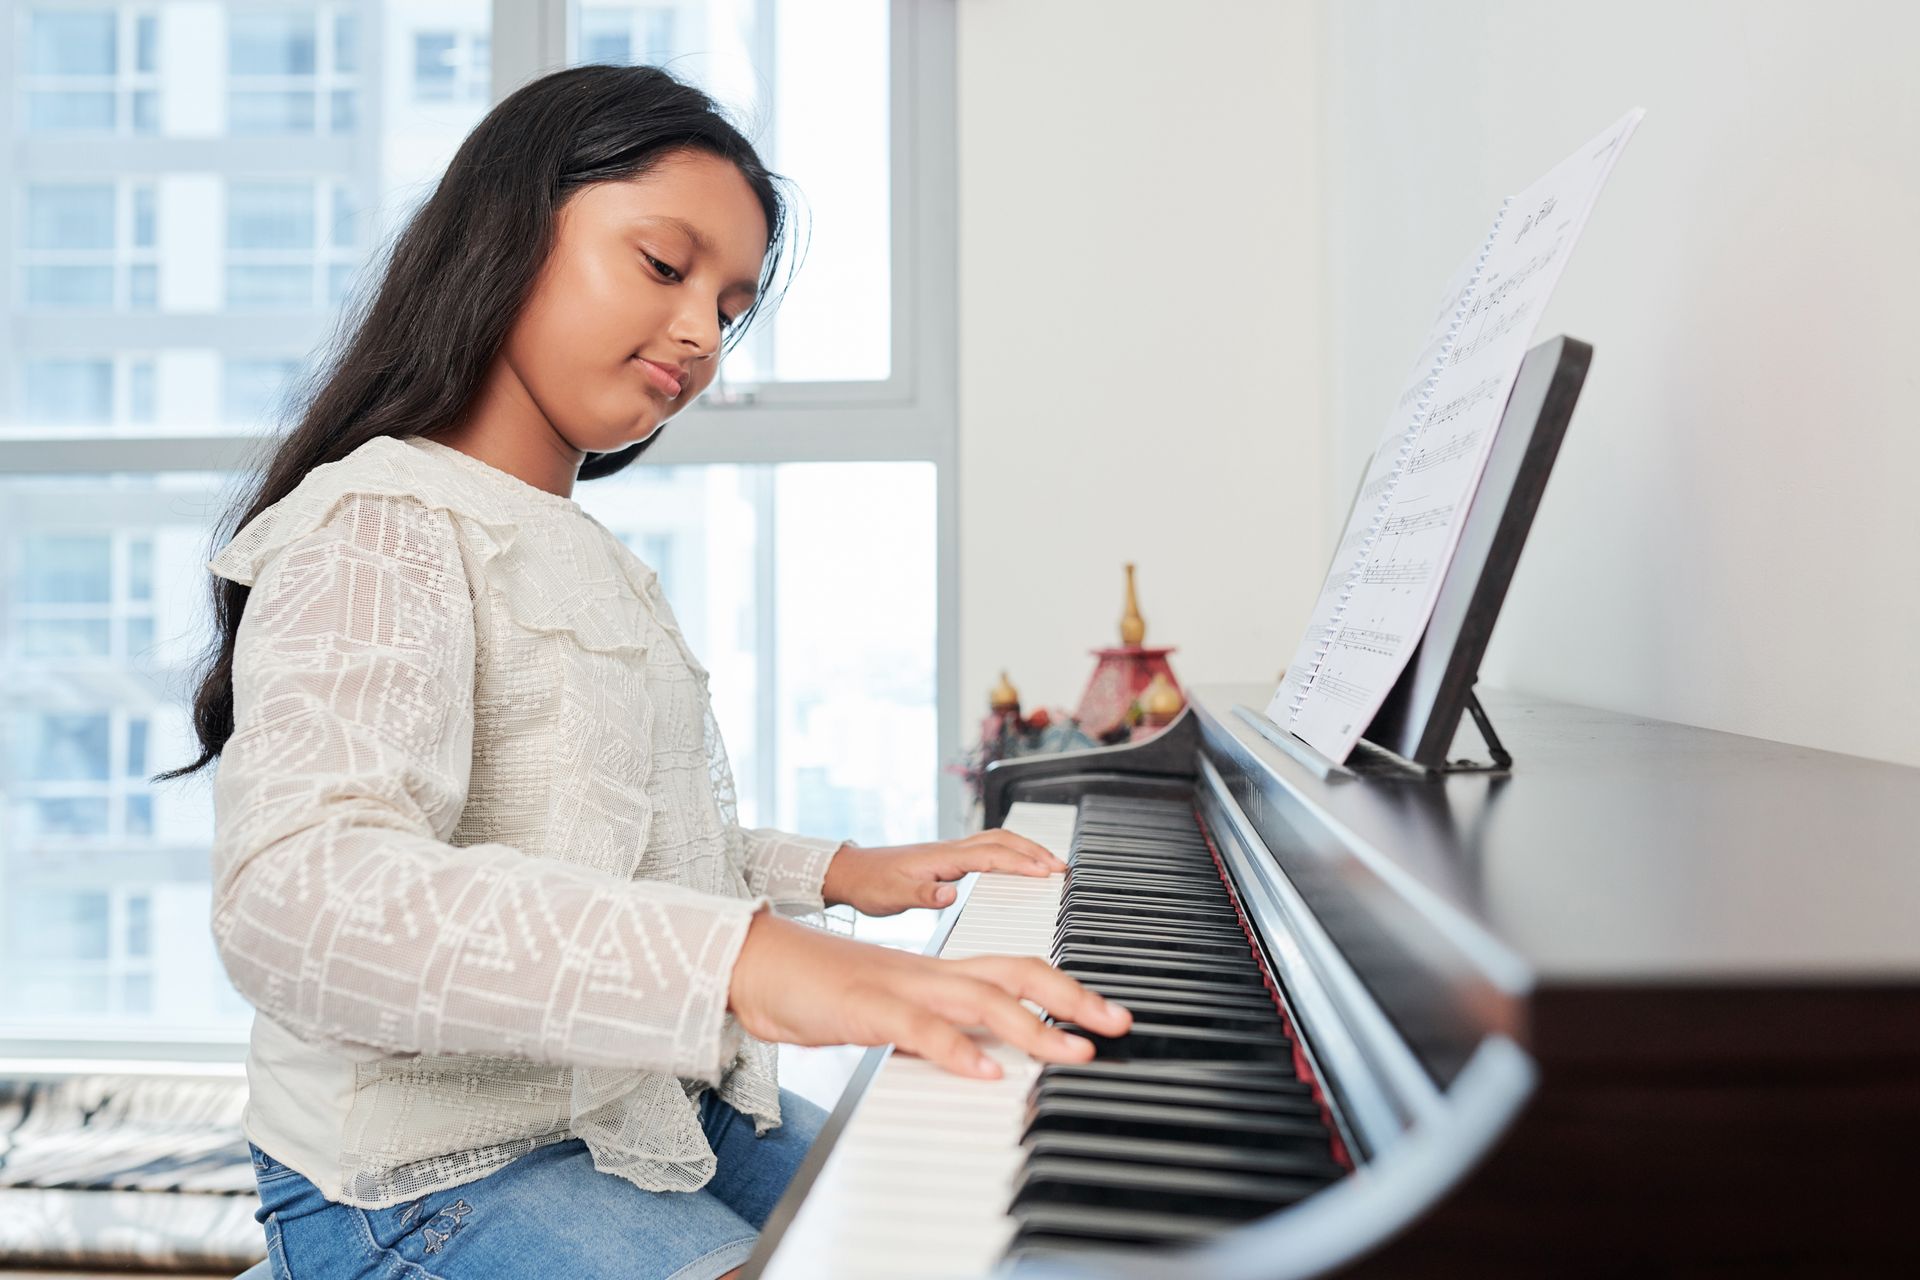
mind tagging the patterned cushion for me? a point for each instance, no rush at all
(126, 1171)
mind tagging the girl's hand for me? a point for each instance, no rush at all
(884, 881)
(798, 985)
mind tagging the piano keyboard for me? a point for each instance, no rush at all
(1191, 1123)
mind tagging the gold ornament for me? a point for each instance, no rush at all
(1160, 700)
(1133, 627)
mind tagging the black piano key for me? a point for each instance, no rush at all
(1095, 1224)
(1068, 1180)
(1182, 870)
(1151, 834)
(1177, 943)
(1245, 999)
(1270, 1078)
(1173, 958)
(1100, 916)
(1123, 902)
(1143, 851)
(1198, 871)
(1148, 951)
(1167, 986)
(1221, 1097)
(1195, 865)
(1172, 1013)
(1221, 915)
(1166, 1040)
(1084, 960)
(1149, 907)
(1104, 918)
(1212, 1126)
(1092, 897)
(1303, 1161)
(1144, 883)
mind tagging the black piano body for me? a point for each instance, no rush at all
(1664, 984)
(1648, 1003)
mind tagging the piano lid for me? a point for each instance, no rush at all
(1622, 849)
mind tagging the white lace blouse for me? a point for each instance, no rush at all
(476, 861)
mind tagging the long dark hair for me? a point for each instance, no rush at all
(414, 352)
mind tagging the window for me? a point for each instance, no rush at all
(88, 246)
(176, 294)
(292, 71)
(90, 70)
(81, 595)
(98, 621)
(92, 949)
(627, 34)
(70, 394)
(290, 245)
(450, 66)
(72, 777)
(253, 388)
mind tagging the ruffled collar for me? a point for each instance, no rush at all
(573, 576)
(505, 481)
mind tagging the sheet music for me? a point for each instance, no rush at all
(1387, 572)
(1373, 485)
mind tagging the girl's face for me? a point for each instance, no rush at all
(623, 327)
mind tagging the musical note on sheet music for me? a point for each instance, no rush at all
(1402, 532)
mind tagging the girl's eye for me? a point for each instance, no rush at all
(726, 321)
(661, 267)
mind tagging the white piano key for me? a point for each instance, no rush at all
(919, 1181)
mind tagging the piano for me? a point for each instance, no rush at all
(1647, 1002)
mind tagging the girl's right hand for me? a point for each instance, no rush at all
(796, 985)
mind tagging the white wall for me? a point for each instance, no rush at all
(1140, 335)
(1730, 537)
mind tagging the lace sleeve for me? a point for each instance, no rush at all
(341, 910)
(786, 868)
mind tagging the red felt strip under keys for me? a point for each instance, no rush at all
(1300, 1064)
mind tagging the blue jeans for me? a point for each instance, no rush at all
(548, 1213)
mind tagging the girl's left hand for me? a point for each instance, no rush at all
(888, 880)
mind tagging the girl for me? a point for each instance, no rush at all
(476, 859)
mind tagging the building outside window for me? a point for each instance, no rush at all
(88, 246)
(90, 69)
(628, 34)
(292, 71)
(451, 66)
(290, 245)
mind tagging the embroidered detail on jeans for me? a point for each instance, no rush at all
(412, 1210)
(449, 1217)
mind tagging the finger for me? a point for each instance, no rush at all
(935, 893)
(975, 1002)
(987, 856)
(1031, 849)
(1030, 978)
(925, 1034)
(1021, 863)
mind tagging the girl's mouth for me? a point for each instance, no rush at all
(663, 379)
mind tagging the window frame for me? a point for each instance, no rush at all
(911, 416)
(123, 258)
(126, 82)
(321, 85)
(322, 256)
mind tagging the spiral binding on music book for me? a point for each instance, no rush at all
(1462, 306)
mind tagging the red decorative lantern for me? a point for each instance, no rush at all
(1109, 707)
